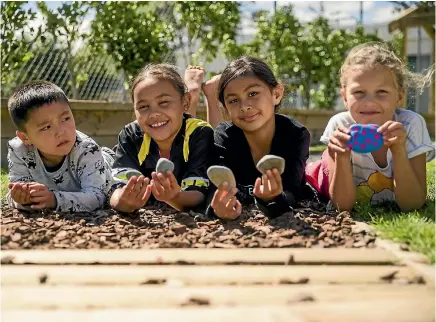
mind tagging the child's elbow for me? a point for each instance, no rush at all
(344, 204)
(410, 206)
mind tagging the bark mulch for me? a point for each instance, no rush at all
(310, 225)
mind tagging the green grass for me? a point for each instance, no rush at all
(317, 149)
(415, 228)
(4, 183)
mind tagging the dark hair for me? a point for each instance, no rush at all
(161, 71)
(30, 96)
(246, 66)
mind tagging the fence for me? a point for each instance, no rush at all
(88, 77)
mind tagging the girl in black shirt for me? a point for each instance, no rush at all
(250, 93)
(161, 129)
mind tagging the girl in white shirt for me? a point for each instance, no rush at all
(374, 82)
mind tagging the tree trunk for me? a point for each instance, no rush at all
(306, 93)
(70, 67)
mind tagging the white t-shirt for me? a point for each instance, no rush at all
(375, 184)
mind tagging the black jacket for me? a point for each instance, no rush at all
(190, 153)
(291, 141)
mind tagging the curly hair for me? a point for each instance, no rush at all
(378, 54)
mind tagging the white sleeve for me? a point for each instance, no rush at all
(330, 128)
(92, 174)
(418, 139)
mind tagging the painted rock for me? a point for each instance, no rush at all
(219, 174)
(269, 162)
(365, 138)
(163, 165)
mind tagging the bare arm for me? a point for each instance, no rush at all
(409, 180)
(341, 185)
(409, 175)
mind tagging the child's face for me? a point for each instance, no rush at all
(371, 95)
(250, 102)
(51, 129)
(159, 108)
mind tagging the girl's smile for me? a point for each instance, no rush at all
(159, 108)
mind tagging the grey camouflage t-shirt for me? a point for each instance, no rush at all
(80, 184)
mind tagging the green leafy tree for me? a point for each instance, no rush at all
(16, 37)
(403, 5)
(65, 26)
(209, 24)
(307, 56)
(132, 33)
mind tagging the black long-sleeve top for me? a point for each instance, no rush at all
(190, 153)
(291, 141)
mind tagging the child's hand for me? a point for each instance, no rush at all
(133, 195)
(394, 136)
(164, 188)
(20, 192)
(41, 197)
(225, 204)
(338, 142)
(269, 186)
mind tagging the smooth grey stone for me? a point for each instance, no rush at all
(219, 174)
(132, 173)
(163, 165)
(269, 162)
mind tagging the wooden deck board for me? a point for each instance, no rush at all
(197, 274)
(399, 310)
(313, 256)
(107, 297)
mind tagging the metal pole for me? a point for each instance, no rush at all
(361, 12)
(275, 6)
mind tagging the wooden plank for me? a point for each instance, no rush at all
(267, 256)
(400, 310)
(418, 262)
(197, 275)
(106, 297)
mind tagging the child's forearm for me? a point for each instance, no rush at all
(186, 200)
(341, 185)
(410, 193)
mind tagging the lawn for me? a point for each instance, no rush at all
(4, 185)
(415, 228)
(317, 149)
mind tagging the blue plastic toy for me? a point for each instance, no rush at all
(364, 138)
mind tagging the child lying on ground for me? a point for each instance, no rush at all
(51, 164)
(250, 93)
(374, 83)
(162, 130)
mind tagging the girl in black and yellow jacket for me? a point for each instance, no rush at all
(161, 129)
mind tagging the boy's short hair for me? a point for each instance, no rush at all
(31, 96)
